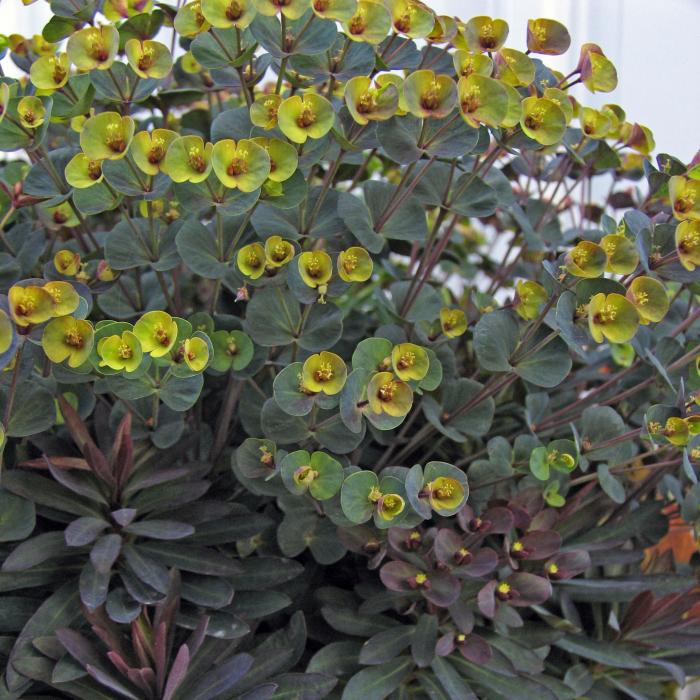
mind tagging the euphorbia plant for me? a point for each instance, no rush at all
(324, 372)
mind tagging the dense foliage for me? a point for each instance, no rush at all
(346, 355)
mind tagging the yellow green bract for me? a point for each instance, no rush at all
(388, 394)
(354, 264)
(303, 117)
(429, 95)
(547, 36)
(190, 20)
(543, 120)
(229, 13)
(251, 260)
(188, 159)
(482, 100)
(325, 372)
(157, 332)
(148, 59)
(64, 297)
(83, 172)
(67, 262)
(453, 322)
(445, 493)
(68, 338)
(278, 252)
(120, 352)
(283, 157)
(148, 149)
(623, 256)
(31, 112)
(50, 72)
(195, 353)
(586, 259)
(688, 243)
(370, 23)
(612, 317)
(30, 305)
(649, 298)
(410, 361)
(529, 298)
(685, 197)
(244, 165)
(107, 136)
(390, 506)
(485, 34)
(315, 268)
(367, 102)
(93, 47)
(411, 18)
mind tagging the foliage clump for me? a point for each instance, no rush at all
(345, 354)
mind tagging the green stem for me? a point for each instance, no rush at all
(3, 237)
(13, 387)
(123, 97)
(234, 389)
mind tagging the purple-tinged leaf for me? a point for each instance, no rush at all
(486, 599)
(160, 529)
(112, 683)
(160, 653)
(462, 615)
(445, 645)
(99, 464)
(444, 589)
(386, 645)
(140, 481)
(198, 635)
(221, 679)
(119, 663)
(105, 552)
(141, 641)
(305, 686)
(83, 531)
(261, 692)
(475, 648)
(178, 671)
(452, 682)
(124, 516)
(198, 560)
(447, 545)
(378, 682)
(143, 678)
(76, 427)
(530, 589)
(147, 570)
(424, 640)
(540, 544)
(46, 492)
(168, 607)
(137, 589)
(396, 576)
(78, 647)
(48, 545)
(121, 607)
(484, 561)
(58, 461)
(59, 610)
(82, 483)
(93, 586)
(496, 520)
(567, 564)
(121, 461)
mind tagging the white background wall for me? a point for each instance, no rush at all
(653, 43)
